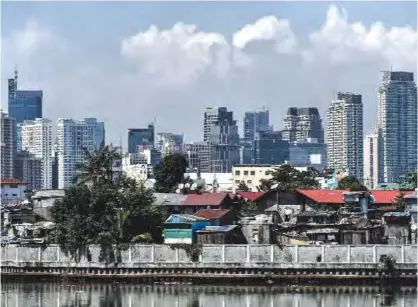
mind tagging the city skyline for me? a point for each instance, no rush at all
(127, 99)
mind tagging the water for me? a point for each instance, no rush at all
(116, 295)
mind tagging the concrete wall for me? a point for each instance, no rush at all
(227, 254)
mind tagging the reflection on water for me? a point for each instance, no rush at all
(117, 295)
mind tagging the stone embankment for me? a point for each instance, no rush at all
(269, 264)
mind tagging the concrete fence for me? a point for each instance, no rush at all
(223, 254)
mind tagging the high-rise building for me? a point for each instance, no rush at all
(37, 140)
(255, 121)
(270, 148)
(169, 143)
(372, 173)
(301, 124)
(23, 105)
(221, 133)
(397, 122)
(28, 168)
(197, 155)
(141, 138)
(345, 134)
(7, 144)
(308, 153)
(74, 139)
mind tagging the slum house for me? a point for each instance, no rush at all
(397, 227)
(217, 217)
(181, 228)
(257, 229)
(229, 234)
(195, 202)
(44, 200)
(172, 202)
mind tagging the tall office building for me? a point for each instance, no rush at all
(169, 143)
(270, 148)
(221, 133)
(345, 134)
(308, 153)
(301, 124)
(397, 122)
(28, 169)
(23, 105)
(372, 173)
(74, 138)
(141, 138)
(197, 155)
(37, 140)
(7, 144)
(255, 121)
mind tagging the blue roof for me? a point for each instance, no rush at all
(225, 228)
(184, 218)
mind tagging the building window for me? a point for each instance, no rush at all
(237, 173)
(252, 173)
(13, 186)
(245, 173)
(237, 181)
(249, 181)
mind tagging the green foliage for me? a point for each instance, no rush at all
(169, 173)
(100, 211)
(412, 179)
(242, 187)
(97, 167)
(352, 183)
(288, 179)
(400, 202)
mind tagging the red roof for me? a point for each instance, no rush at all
(206, 199)
(251, 196)
(211, 214)
(10, 181)
(336, 196)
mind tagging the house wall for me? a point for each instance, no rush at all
(13, 192)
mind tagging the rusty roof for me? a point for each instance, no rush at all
(211, 214)
(206, 199)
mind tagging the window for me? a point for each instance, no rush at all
(252, 173)
(237, 181)
(249, 181)
(13, 186)
(237, 173)
(245, 173)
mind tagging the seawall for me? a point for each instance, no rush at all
(219, 263)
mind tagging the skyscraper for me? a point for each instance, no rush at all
(74, 138)
(397, 122)
(221, 133)
(141, 138)
(255, 121)
(169, 143)
(7, 149)
(269, 148)
(37, 140)
(302, 124)
(345, 134)
(372, 163)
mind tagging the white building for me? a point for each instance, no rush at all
(252, 174)
(74, 139)
(37, 140)
(372, 170)
(397, 121)
(219, 182)
(12, 190)
(345, 134)
(169, 143)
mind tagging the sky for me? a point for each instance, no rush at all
(130, 63)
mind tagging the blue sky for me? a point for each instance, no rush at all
(82, 54)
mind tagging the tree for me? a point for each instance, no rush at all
(242, 187)
(98, 166)
(412, 179)
(288, 178)
(352, 183)
(169, 173)
(400, 202)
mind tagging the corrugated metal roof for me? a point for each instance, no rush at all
(211, 214)
(225, 228)
(251, 196)
(11, 181)
(206, 199)
(169, 199)
(184, 218)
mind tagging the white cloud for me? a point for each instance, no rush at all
(175, 73)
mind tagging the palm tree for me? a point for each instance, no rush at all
(97, 167)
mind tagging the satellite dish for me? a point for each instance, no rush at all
(178, 191)
(193, 188)
(274, 186)
(194, 185)
(187, 185)
(181, 186)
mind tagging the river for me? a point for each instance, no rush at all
(125, 295)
